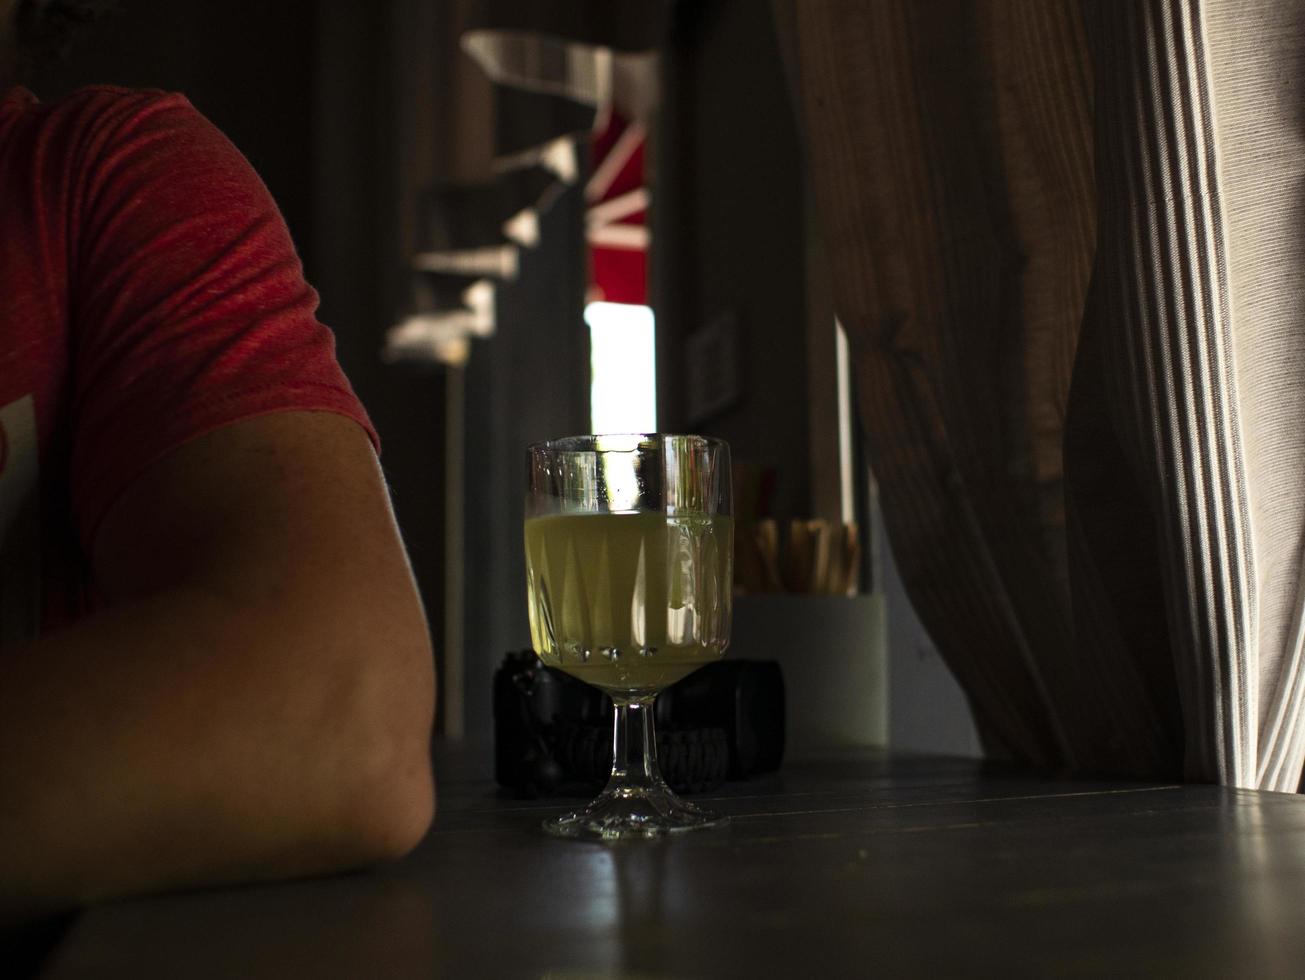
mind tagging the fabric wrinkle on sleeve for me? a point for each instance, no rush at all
(190, 309)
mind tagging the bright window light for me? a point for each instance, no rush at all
(622, 341)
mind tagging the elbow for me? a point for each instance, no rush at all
(361, 739)
(392, 797)
(396, 818)
(389, 805)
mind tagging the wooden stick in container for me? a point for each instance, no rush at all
(766, 535)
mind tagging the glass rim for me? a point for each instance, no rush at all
(560, 444)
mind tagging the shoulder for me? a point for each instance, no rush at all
(73, 144)
(84, 126)
(112, 148)
(94, 106)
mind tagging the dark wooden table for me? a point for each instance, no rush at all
(860, 866)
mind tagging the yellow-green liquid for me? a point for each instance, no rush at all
(629, 602)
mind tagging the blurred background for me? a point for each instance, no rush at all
(528, 220)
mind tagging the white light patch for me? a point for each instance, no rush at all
(622, 344)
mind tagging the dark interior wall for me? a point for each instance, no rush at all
(246, 65)
(527, 383)
(305, 89)
(730, 234)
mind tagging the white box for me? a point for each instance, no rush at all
(833, 653)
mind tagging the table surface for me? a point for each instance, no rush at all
(860, 865)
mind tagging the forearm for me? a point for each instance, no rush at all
(176, 740)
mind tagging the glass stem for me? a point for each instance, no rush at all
(634, 747)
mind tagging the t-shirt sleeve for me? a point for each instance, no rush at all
(188, 302)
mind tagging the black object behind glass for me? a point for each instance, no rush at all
(552, 733)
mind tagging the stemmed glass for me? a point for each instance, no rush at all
(629, 566)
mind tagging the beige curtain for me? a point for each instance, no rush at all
(1066, 243)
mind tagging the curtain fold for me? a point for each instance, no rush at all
(1199, 302)
(1017, 192)
(960, 239)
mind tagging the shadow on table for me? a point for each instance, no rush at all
(346, 927)
(25, 949)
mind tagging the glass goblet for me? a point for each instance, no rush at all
(629, 565)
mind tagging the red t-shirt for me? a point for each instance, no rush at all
(149, 293)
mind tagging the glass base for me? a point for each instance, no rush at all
(632, 812)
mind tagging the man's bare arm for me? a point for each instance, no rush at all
(256, 701)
